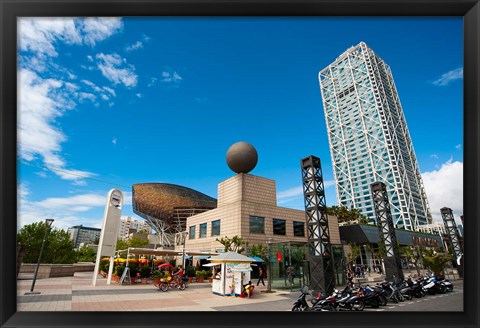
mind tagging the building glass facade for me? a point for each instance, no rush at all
(369, 138)
(84, 235)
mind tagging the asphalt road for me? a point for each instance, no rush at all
(452, 301)
(441, 302)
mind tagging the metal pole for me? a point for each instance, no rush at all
(48, 223)
(184, 235)
(269, 271)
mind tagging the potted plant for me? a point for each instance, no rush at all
(199, 274)
(145, 272)
(209, 274)
(157, 276)
(190, 272)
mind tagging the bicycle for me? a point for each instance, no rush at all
(175, 282)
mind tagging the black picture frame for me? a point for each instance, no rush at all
(10, 10)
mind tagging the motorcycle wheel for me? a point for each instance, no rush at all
(164, 287)
(401, 298)
(329, 308)
(297, 308)
(383, 300)
(442, 289)
(181, 286)
(358, 305)
(395, 299)
(450, 289)
(408, 297)
(375, 303)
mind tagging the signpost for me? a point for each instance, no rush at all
(108, 236)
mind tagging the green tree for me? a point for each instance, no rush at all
(259, 251)
(58, 249)
(344, 214)
(137, 242)
(411, 256)
(437, 262)
(131, 242)
(353, 255)
(234, 244)
(86, 254)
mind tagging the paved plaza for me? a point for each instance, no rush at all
(77, 294)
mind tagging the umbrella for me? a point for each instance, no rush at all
(165, 265)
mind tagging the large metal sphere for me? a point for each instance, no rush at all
(242, 157)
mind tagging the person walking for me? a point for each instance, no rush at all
(260, 276)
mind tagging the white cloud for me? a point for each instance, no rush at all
(176, 77)
(104, 92)
(139, 95)
(66, 211)
(435, 156)
(137, 45)
(152, 82)
(168, 77)
(42, 174)
(99, 28)
(41, 102)
(110, 90)
(86, 201)
(43, 99)
(458, 147)
(448, 77)
(83, 95)
(22, 190)
(297, 192)
(40, 34)
(116, 70)
(293, 192)
(444, 188)
(114, 141)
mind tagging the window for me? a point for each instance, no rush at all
(191, 233)
(257, 224)
(278, 227)
(216, 228)
(203, 230)
(298, 229)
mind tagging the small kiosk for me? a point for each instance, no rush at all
(233, 271)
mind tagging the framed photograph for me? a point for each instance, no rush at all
(114, 104)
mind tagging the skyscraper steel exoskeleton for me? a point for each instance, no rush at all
(452, 233)
(320, 255)
(369, 138)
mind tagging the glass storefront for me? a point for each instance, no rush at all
(290, 268)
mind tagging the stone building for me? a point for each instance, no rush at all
(247, 207)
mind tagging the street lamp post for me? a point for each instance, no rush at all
(48, 224)
(184, 237)
(269, 271)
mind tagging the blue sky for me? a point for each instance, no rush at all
(106, 103)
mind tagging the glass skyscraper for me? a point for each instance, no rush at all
(369, 138)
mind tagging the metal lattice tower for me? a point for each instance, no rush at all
(452, 234)
(393, 265)
(369, 138)
(320, 255)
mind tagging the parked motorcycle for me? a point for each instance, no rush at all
(448, 284)
(417, 288)
(346, 300)
(392, 292)
(374, 297)
(382, 294)
(301, 303)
